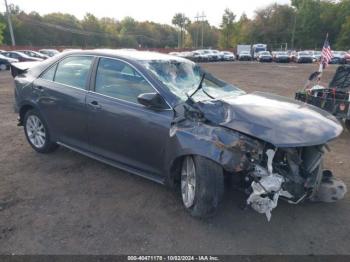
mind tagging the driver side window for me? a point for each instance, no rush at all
(117, 79)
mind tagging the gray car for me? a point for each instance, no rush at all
(164, 118)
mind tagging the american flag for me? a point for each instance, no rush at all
(326, 53)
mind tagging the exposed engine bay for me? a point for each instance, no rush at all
(272, 161)
(293, 174)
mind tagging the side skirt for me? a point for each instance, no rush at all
(115, 164)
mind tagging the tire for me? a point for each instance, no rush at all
(3, 67)
(347, 124)
(201, 190)
(37, 132)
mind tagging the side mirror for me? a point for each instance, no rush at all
(152, 100)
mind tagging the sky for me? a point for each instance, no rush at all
(141, 10)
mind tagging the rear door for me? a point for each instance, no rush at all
(61, 92)
(121, 129)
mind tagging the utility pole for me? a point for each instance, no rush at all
(10, 24)
(202, 17)
(294, 28)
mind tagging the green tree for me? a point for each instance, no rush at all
(272, 25)
(243, 29)
(227, 29)
(181, 21)
(2, 28)
(343, 42)
(94, 34)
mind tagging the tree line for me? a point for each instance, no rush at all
(301, 25)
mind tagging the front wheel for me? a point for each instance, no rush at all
(347, 124)
(3, 67)
(37, 132)
(202, 186)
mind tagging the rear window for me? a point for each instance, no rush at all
(73, 71)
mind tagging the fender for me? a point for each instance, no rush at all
(22, 109)
(226, 147)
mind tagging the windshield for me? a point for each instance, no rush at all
(182, 78)
(264, 53)
(304, 53)
(259, 49)
(282, 53)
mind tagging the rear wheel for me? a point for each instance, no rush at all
(37, 132)
(202, 186)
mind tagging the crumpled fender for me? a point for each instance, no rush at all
(221, 145)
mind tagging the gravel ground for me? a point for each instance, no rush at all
(65, 203)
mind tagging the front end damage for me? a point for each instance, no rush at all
(267, 172)
(293, 174)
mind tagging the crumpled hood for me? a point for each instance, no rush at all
(278, 120)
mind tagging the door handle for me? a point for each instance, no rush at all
(95, 104)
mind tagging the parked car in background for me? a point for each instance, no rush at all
(347, 57)
(245, 56)
(49, 52)
(338, 58)
(197, 57)
(21, 57)
(5, 62)
(212, 55)
(205, 55)
(258, 48)
(71, 49)
(32, 53)
(292, 55)
(196, 129)
(316, 55)
(246, 48)
(281, 57)
(303, 57)
(264, 56)
(228, 56)
(217, 55)
(187, 55)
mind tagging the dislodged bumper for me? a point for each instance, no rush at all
(292, 181)
(277, 152)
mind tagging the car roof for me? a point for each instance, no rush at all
(129, 54)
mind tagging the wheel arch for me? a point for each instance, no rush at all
(24, 108)
(227, 148)
(227, 160)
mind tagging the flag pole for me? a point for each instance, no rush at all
(322, 65)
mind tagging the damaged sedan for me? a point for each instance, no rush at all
(166, 119)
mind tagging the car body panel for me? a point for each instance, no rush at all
(65, 110)
(147, 141)
(280, 121)
(129, 133)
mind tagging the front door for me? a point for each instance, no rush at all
(119, 127)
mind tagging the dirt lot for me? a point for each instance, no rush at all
(65, 203)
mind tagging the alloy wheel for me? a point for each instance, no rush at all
(36, 131)
(188, 182)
